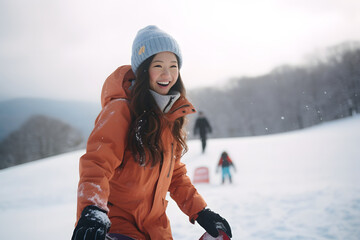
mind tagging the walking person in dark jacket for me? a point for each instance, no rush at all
(202, 127)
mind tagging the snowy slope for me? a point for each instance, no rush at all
(298, 185)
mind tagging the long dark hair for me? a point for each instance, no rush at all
(146, 127)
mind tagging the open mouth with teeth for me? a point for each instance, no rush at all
(163, 84)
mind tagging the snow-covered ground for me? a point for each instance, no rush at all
(298, 185)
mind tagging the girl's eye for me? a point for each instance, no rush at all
(157, 66)
(174, 66)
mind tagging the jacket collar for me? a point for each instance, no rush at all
(165, 102)
(118, 84)
(180, 108)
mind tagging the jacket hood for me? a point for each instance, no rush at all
(117, 85)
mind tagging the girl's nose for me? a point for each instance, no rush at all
(166, 72)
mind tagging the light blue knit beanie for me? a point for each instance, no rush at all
(149, 41)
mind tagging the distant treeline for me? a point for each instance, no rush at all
(39, 137)
(288, 98)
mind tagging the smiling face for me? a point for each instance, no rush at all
(163, 72)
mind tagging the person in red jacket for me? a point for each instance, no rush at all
(133, 155)
(225, 163)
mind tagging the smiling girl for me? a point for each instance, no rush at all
(133, 154)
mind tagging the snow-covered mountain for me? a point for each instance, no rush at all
(297, 185)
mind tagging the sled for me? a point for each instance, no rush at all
(222, 236)
(201, 175)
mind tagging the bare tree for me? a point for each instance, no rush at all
(37, 138)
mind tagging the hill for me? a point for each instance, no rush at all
(297, 185)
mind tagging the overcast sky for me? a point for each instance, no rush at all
(65, 49)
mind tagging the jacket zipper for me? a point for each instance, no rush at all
(168, 104)
(171, 160)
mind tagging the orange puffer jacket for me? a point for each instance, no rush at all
(133, 195)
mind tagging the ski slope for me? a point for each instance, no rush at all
(298, 185)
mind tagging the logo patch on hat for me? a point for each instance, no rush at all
(142, 50)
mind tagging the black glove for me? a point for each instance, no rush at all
(213, 222)
(93, 224)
